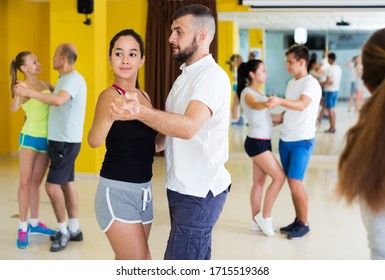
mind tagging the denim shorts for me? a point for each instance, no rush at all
(295, 157)
(39, 144)
(125, 202)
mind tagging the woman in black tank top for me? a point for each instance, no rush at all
(130, 149)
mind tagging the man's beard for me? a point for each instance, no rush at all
(187, 53)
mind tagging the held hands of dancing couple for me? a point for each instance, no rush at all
(21, 89)
(126, 107)
(272, 102)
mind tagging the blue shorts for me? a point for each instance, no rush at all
(235, 88)
(254, 147)
(125, 202)
(331, 99)
(192, 221)
(295, 157)
(39, 144)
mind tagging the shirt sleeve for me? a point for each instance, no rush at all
(212, 88)
(310, 88)
(71, 85)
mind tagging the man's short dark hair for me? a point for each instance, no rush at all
(299, 51)
(203, 17)
(196, 10)
(332, 56)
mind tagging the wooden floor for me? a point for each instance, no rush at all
(337, 232)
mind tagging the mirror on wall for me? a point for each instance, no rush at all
(342, 31)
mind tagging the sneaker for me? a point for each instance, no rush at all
(330, 130)
(254, 226)
(40, 229)
(289, 228)
(22, 239)
(266, 224)
(76, 236)
(60, 241)
(299, 231)
(239, 122)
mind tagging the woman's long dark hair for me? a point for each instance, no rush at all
(251, 66)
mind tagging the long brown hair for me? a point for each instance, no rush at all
(361, 167)
(16, 63)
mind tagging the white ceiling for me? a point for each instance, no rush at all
(312, 19)
(288, 18)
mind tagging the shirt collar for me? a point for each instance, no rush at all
(197, 64)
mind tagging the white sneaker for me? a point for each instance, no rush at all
(254, 226)
(266, 224)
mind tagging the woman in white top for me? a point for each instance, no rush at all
(352, 64)
(359, 85)
(258, 147)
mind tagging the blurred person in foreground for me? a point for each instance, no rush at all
(361, 166)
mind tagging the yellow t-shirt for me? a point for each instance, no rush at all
(36, 123)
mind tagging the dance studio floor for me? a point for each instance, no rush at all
(337, 232)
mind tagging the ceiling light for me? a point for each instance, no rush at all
(300, 35)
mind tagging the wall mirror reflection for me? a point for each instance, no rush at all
(341, 30)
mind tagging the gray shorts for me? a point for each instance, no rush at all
(124, 202)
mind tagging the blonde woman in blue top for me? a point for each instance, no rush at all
(33, 157)
(258, 147)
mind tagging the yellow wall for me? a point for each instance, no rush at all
(90, 40)
(26, 27)
(48, 24)
(256, 40)
(41, 26)
(228, 33)
(136, 18)
(4, 81)
(230, 6)
(228, 42)
(256, 36)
